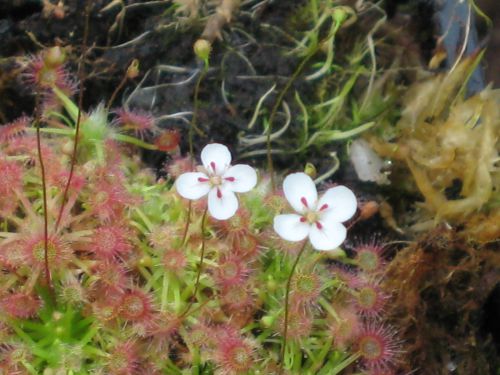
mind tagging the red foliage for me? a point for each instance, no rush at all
(140, 123)
(111, 241)
(20, 305)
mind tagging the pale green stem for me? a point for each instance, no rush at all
(200, 267)
(134, 141)
(54, 131)
(287, 293)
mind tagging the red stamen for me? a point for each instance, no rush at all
(230, 179)
(323, 207)
(303, 219)
(319, 225)
(212, 164)
(304, 202)
(203, 179)
(219, 194)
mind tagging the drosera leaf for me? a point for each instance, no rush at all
(29, 367)
(326, 136)
(89, 335)
(144, 219)
(61, 117)
(323, 352)
(20, 332)
(70, 107)
(334, 358)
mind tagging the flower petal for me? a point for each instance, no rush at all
(300, 192)
(329, 237)
(222, 203)
(216, 158)
(290, 228)
(192, 185)
(240, 178)
(338, 204)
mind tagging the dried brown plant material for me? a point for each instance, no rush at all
(387, 213)
(222, 16)
(188, 7)
(444, 139)
(439, 286)
(484, 227)
(53, 10)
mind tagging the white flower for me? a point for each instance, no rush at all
(219, 180)
(320, 220)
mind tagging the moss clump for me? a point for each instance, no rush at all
(444, 140)
(440, 285)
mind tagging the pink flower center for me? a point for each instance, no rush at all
(216, 180)
(312, 217)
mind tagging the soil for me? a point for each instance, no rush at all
(23, 29)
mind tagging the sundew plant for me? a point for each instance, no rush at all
(108, 270)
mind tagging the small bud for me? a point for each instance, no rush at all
(341, 14)
(202, 49)
(368, 209)
(168, 140)
(59, 331)
(267, 321)
(54, 56)
(58, 11)
(310, 170)
(146, 261)
(67, 148)
(57, 315)
(271, 284)
(133, 69)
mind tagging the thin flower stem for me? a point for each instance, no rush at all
(200, 267)
(79, 116)
(282, 94)
(193, 126)
(45, 215)
(64, 131)
(275, 110)
(117, 90)
(188, 220)
(287, 293)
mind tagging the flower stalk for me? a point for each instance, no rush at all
(200, 266)
(287, 294)
(81, 79)
(45, 215)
